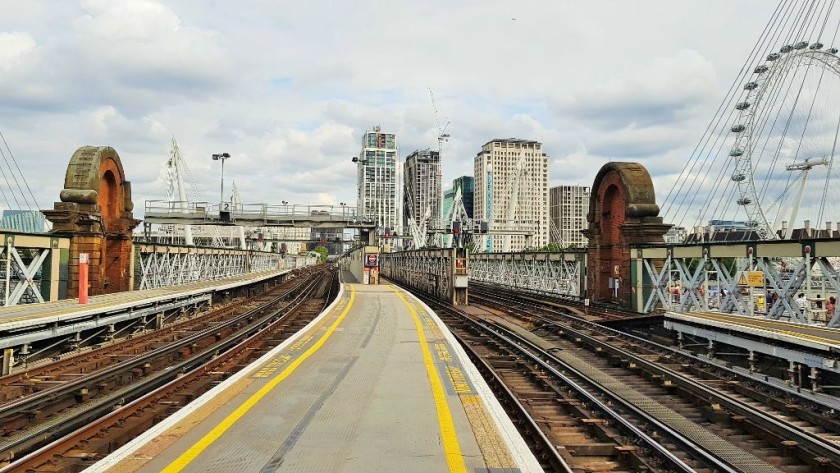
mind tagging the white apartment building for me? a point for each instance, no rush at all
(569, 206)
(377, 178)
(422, 189)
(504, 167)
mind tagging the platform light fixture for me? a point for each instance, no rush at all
(222, 157)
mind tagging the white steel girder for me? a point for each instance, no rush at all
(537, 272)
(21, 281)
(685, 283)
(162, 268)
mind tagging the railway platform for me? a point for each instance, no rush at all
(814, 347)
(375, 383)
(25, 328)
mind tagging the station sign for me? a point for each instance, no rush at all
(752, 279)
(371, 260)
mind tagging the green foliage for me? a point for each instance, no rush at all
(322, 253)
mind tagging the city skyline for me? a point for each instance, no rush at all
(133, 74)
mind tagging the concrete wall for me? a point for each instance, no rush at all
(355, 261)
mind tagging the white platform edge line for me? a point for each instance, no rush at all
(523, 455)
(123, 452)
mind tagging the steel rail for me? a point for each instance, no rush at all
(818, 445)
(98, 406)
(147, 397)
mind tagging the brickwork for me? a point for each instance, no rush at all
(96, 213)
(622, 213)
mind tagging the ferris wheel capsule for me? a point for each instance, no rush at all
(786, 48)
(800, 45)
(736, 152)
(742, 106)
(773, 56)
(738, 128)
(750, 85)
(831, 50)
(760, 69)
(816, 45)
(738, 177)
(744, 201)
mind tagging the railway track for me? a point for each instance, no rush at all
(72, 437)
(704, 401)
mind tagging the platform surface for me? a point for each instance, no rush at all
(813, 336)
(375, 384)
(19, 316)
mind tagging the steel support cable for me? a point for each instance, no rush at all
(830, 165)
(34, 200)
(778, 151)
(760, 123)
(763, 120)
(801, 144)
(9, 184)
(772, 29)
(817, 22)
(825, 22)
(717, 117)
(718, 125)
(836, 133)
(804, 127)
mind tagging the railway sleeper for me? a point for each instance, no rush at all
(790, 449)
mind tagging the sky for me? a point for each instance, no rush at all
(288, 88)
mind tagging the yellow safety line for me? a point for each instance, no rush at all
(451, 448)
(194, 451)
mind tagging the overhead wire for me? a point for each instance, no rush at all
(769, 32)
(716, 120)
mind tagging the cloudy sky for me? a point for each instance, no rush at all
(288, 88)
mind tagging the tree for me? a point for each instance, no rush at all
(322, 253)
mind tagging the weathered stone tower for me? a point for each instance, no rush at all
(95, 212)
(622, 213)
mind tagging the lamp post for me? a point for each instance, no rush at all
(222, 157)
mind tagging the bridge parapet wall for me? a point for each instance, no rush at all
(440, 273)
(560, 273)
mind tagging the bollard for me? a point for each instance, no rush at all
(83, 278)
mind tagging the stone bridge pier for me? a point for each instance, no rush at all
(622, 214)
(95, 212)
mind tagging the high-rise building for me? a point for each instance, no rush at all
(422, 185)
(569, 206)
(467, 186)
(26, 221)
(505, 167)
(448, 202)
(377, 178)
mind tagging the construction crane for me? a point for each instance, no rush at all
(515, 184)
(442, 137)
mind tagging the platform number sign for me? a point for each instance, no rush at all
(371, 261)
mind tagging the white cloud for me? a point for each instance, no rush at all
(289, 91)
